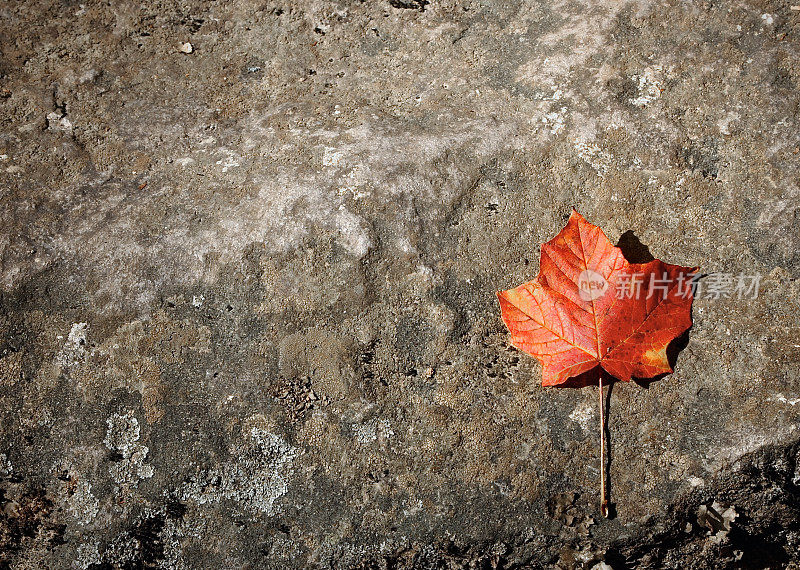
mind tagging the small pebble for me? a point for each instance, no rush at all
(186, 48)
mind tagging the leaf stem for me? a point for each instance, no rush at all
(603, 498)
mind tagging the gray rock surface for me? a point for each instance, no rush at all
(247, 287)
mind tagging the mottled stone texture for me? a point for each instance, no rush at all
(247, 293)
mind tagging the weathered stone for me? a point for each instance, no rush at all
(247, 287)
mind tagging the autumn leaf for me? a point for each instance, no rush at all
(590, 310)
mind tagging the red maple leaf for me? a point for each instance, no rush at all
(590, 310)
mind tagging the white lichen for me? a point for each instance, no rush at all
(74, 349)
(83, 504)
(87, 555)
(122, 434)
(122, 437)
(256, 479)
(372, 431)
(6, 469)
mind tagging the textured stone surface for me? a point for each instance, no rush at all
(247, 293)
